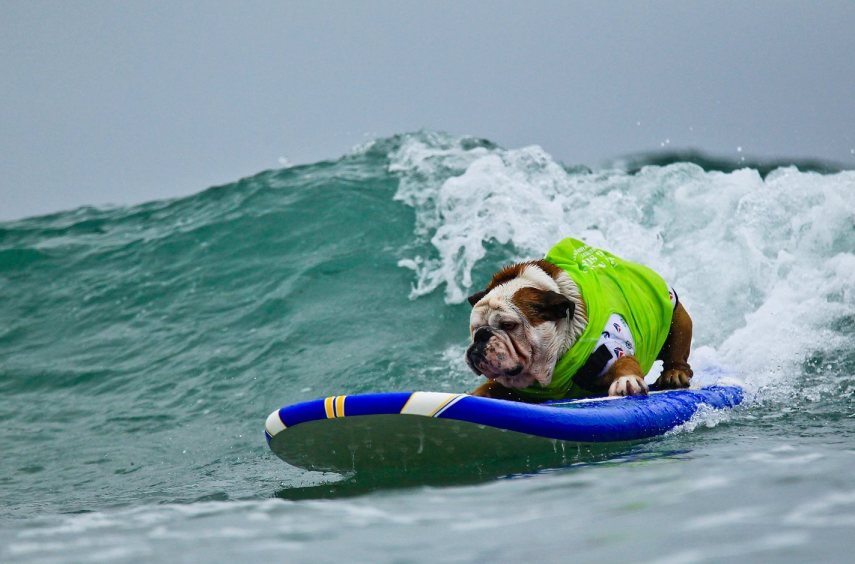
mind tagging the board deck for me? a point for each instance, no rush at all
(403, 429)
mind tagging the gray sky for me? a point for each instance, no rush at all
(123, 102)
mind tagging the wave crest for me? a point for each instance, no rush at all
(764, 262)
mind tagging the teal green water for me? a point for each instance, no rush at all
(142, 348)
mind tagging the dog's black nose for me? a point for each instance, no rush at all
(482, 335)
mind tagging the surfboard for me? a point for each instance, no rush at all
(349, 433)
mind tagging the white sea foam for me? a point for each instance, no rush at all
(705, 416)
(765, 266)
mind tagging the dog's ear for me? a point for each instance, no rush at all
(476, 297)
(554, 307)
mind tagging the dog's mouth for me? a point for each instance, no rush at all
(516, 380)
(496, 356)
(486, 369)
(479, 364)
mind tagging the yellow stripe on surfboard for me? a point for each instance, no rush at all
(334, 406)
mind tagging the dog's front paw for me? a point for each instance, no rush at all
(485, 390)
(674, 378)
(628, 386)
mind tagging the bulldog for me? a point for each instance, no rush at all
(580, 322)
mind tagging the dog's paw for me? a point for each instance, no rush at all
(628, 386)
(485, 390)
(674, 378)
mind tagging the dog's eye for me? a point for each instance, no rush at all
(508, 325)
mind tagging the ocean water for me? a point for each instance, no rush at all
(141, 349)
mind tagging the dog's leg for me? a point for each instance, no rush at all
(490, 389)
(676, 372)
(624, 378)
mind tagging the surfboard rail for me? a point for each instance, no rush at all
(596, 420)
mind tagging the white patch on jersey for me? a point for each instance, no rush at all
(617, 338)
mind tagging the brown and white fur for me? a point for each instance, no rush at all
(531, 313)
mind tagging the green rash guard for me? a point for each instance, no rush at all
(608, 285)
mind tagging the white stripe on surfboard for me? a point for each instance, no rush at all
(274, 423)
(428, 404)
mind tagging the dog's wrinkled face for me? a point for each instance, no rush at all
(517, 326)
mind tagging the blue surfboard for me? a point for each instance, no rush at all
(406, 429)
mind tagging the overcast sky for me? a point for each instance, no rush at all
(124, 102)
